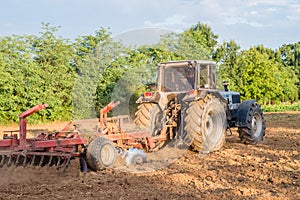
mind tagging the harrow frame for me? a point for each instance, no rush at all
(57, 149)
(44, 149)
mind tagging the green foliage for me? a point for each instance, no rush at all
(78, 78)
(226, 56)
(256, 73)
(281, 107)
(127, 77)
(196, 43)
(203, 36)
(36, 69)
(290, 55)
(96, 54)
(52, 55)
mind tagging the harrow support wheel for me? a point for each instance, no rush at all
(206, 124)
(101, 153)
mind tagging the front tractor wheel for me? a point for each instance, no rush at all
(101, 153)
(206, 124)
(254, 131)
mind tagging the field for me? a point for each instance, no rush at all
(270, 170)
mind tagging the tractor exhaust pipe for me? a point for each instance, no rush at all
(225, 85)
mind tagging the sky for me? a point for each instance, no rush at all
(271, 23)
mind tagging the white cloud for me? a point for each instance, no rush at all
(239, 20)
(8, 24)
(173, 20)
(253, 12)
(296, 7)
(268, 2)
(291, 18)
(270, 16)
(294, 12)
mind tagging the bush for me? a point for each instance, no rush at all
(282, 107)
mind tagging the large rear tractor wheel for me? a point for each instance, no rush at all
(254, 132)
(206, 124)
(101, 153)
(149, 117)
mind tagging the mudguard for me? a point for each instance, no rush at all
(242, 112)
(153, 99)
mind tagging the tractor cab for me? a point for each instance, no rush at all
(182, 76)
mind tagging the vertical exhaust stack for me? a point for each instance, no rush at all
(225, 85)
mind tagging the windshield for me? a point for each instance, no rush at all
(207, 77)
(176, 79)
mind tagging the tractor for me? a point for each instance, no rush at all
(187, 107)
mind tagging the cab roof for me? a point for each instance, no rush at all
(182, 63)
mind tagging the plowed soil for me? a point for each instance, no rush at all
(269, 170)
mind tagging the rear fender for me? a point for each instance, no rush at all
(242, 112)
(153, 99)
(195, 96)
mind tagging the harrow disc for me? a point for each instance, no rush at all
(34, 159)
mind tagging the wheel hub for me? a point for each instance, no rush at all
(256, 124)
(106, 154)
(209, 124)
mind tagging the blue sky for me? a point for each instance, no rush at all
(248, 22)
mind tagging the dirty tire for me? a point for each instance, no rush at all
(142, 115)
(149, 117)
(101, 153)
(254, 132)
(206, 123)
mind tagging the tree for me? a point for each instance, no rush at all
(19, 81)
(129, 76)
(202, 34)
(182, 47)
(226, 56)
(95, 54)
(37, 69)
(259, 77)
(53, 57)
(290, 55)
